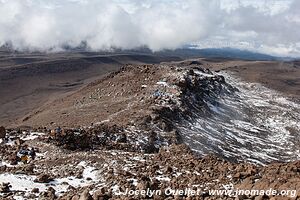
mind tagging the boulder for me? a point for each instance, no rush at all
(13, 159)
(5, 187)
(3, 168)
(28, 169)
(35, 190)
(122, 138)
(43, 178)
(149, 148)
(85, 195)
(48, 195)
(101, 194)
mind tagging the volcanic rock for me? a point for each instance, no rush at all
(2, 132)
(85, 195)
(43, 178)
(48, 195)
(5, 187)
(35, 190)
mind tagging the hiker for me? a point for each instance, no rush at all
(26, 155)
(58, 130)
(32, 153)
(23, 155)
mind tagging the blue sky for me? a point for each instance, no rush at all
(268, 26)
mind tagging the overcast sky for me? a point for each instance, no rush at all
(268, 26)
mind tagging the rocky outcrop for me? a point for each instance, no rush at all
(140, 146)
(100, 136)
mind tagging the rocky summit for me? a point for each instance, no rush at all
(165, 131)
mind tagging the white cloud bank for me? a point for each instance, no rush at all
(271, 27)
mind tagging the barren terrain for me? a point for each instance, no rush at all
(27, 81)
(202, 123)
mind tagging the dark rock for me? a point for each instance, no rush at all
(149, 148)
(74, 140)
(5, 187)
(195, 62)
(13, 159)
(79, 175)
(3, 168)
(122, 138)
(35, 190)
(43, 178)
(169, 169)
(2, 132)
(191, 72)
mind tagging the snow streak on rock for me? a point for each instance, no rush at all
(256, 124)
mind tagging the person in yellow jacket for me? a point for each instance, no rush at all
(24, 159)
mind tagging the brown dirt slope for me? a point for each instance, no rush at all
(27, 81)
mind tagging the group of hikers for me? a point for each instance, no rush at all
(26, 155)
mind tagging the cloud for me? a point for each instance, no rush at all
(104, 24)
(262, 27)
(126, 24)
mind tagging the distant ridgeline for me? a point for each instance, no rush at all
(188, 51)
